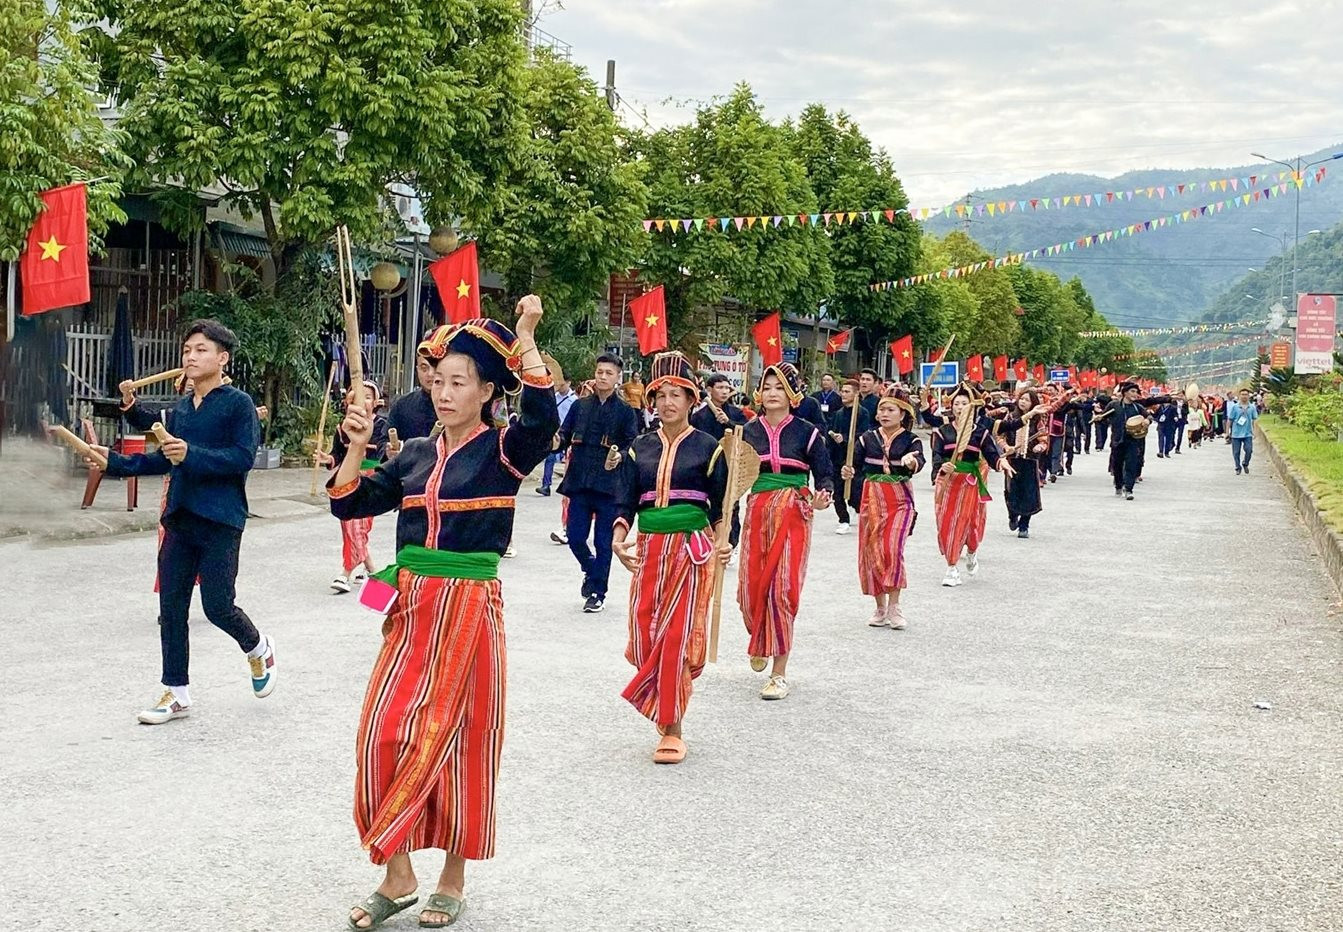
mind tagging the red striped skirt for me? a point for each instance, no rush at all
(669, 603)
(961, 516)
(775, 540)
(885, 519)
(354, 541)
(432, 726)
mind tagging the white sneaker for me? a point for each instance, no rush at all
(165, 710)
(878, 619)
(776, 688)
(509, 552)
(895, 616)
(972, 563)
(358, 575)
(559, 537)
(843, 529)
(340, 584)
(953, 577)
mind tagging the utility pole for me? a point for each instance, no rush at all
(611, 84)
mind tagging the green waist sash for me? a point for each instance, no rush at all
(893, 477)
(773, 481)
(366, 465)
(968, 468)
(673, 519)
(443, 564)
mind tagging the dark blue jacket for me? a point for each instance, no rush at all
(222, 436)
(591, 428)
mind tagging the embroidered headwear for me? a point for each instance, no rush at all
(672, 369)
(491, 346)
(898, 398)
(787, 374)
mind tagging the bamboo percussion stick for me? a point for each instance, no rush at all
(161, 432)
(79, 446)
(151, 379)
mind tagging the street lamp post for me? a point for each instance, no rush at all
(1299, 179)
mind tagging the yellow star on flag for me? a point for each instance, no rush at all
(52, 249)
(651, 320)
(904, 354)
(463, 289)
(773, 342)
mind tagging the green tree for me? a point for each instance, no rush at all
(50, 132)
(304, 111)
(732, 162)
(979, 308)
(846, 173)
(570, 208)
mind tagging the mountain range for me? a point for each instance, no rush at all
(1167, 276)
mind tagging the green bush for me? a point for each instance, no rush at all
(1318, 407)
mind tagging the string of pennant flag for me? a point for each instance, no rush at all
(1188, 350)
(1164, 331)
(961, 209)
(1198, 366)
(1246, 199)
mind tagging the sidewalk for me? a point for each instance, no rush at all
(40, 495)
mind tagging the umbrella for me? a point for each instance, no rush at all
(121, 354)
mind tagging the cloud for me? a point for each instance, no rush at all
(967, 96)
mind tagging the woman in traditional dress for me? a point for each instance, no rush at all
(776, 530)
(432, 725)
(962, 447)
(887, 458)
(674, 481)
(356, 561)
(1028, 453)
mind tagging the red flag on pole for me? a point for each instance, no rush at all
(1039, 373)
(1021, 369)
(903, 351)
(1000, 368)
(648, 311)
(768, 335)
(839, 343)
(974, 368)
(54, 267)
(1072, 376)
(457, 276)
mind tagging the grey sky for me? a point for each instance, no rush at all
(965, 95)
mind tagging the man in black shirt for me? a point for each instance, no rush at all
(828, 398)
(869, 392)
(413, 415)
(838, 437)
(597, 428)
(718, 413)
(215, 434)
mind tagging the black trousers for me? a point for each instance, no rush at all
(842, 507)
(1126, 463)
(195, 548)
(1102, 431)
(1085, 435)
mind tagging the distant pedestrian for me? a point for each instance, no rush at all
(565, 396)
(1241, 415)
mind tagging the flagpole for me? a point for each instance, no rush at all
(10, 299)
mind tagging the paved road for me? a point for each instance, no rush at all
(1067, 742)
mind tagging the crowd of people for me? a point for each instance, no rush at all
(648, 480)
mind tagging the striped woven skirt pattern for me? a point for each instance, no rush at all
(354, 541)
(432, 726)
(961, 516)
(669, 604)
(776, 538)
(885, 519)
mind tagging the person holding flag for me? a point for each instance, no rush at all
(776, 532)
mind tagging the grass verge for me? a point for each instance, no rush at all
(1318, 460)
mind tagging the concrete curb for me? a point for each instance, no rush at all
(1327, 541)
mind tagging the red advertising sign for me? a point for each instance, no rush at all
(1316, 324)
(1280, 355)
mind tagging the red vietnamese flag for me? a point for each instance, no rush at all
(1039, 373)
(54, 268)
(457, 276)
(1072, 376)
(649, 313)
(839, 343)
(1000, 368)
(903, 351)
(1021, 369)
(768, 335)
(974, 368)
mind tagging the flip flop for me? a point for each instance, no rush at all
(379, 909)
(449, 906)
(670, 750)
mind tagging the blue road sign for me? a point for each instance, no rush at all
(948, 377)
(1058, 375)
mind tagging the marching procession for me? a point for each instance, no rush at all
(676, 487)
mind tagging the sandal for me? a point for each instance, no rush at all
(670, 750)
(449, 906)
(378, 909)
